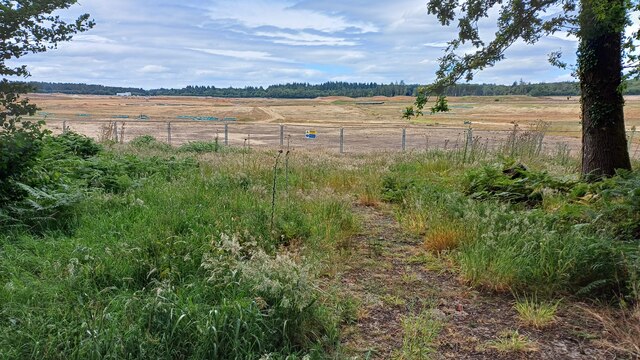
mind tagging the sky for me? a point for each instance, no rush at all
(172, 44)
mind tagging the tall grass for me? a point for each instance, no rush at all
(179, 262)
(523, 230)
(146, 251)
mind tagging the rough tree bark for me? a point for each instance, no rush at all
(604, 141)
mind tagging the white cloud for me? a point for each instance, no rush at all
(241, 54)
(262, 42)
(282, 14)
(305, 39)
(436, 44)
(153, 69)
(93, 39)
(351, 55)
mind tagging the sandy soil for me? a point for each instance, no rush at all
(367, 126)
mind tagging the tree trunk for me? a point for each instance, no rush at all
(604, 139)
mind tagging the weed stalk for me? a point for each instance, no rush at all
(274, 190)
(286, 168)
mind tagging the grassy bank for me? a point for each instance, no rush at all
(148, 251)
(533, 229)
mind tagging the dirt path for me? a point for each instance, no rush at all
(397, 284)
(273, 115)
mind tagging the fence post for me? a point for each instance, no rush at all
(169, 133)
(226, 134)
(341, 140)
(115, 131)
(64, 126)
(122, 133)
(404, 139)
(281, 135)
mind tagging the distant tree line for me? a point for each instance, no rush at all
(333, 88)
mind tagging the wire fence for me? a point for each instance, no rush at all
(343, 139)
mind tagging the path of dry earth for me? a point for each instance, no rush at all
(394, 278)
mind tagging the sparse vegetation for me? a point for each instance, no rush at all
(419, 336)
(512, 341)
(538, 314)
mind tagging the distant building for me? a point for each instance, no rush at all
(123, 94)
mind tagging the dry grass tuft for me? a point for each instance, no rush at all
(444, 236)
(415, 222)
(622, 327)
(369, 197)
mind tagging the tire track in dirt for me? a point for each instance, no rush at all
(273, 115)
(392, 277)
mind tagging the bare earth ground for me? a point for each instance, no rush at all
(485, 112)
(367, 127)
(393, 279)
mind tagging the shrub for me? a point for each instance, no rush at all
(618, 203)
(149, 142)
(41, 209)
(531, 251)
(512, 183)
(68, 167)
(20, 145)
(71, 143)
(201, 147)
(395, 187)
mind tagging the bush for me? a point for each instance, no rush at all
(71, 143)
(20, 145)
(149, 142)
(516, 229)
(395, 188)
(154, 282)
(528, 251)
(201, 147)
(513, 183)
(618, 203)
(67, 167)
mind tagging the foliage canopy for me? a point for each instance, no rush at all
(26, 26)
(603, 53)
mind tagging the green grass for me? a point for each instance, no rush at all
(535, 231)
(176, 263)
(420, 333)
(148, 251)
(512, 341)
(536, 313)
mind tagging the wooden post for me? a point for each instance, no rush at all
(64, 126)
(169, 133)
(281, 135)
(341, 140)
(404, 139)
(226, 134)
(115, 131)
